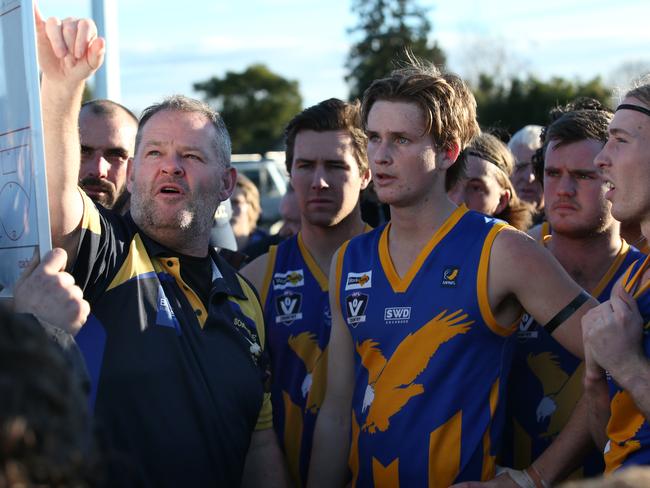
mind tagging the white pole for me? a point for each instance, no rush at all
(107, 78)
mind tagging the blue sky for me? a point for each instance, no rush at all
(164, 47)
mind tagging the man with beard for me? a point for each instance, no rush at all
(179, 336)
(546, 380)
(107, 133)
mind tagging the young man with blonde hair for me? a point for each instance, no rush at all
(422, 307)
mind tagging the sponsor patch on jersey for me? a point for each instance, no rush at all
(397, 315)
(290, 279)
(165, 315)
(450, 276)
(288, 307)
(356, 305)
(357, 281)
(525, 325)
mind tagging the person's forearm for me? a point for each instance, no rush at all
(634, 377)
(329, 455)
(597, 397)
(60, 108)
(570, 447)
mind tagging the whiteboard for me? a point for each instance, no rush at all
(24, 218)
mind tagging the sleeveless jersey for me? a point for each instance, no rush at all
(430, 359)
(546, 383)
(628, 430)
(298, 321)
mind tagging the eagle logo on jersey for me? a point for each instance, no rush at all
(391, 383)
(305, 346)
(561, 391)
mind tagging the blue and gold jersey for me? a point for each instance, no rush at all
(628, 430)
(430, 358)
(298, 322)
(546, 383)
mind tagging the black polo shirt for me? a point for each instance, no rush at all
(177, 389)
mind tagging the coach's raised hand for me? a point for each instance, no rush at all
(68, 49)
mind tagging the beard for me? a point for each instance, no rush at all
(111, 193)
(192, 222)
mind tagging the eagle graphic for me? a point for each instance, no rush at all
(391, 382)
(305, 346)
(561, 391)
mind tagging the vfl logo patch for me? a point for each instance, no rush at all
(450, 276)
(356, 305)
(357, 281)
(288, 308)
(525, 325)
(397, 315)
(290, 279)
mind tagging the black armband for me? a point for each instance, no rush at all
(567, 311)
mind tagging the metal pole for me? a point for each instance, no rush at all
(107, 78)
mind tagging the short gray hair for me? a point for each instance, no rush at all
(181, 103)
(528, 137)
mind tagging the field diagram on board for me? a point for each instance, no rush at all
(19, 216)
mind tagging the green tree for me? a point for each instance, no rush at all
(256, 105)
(387, 28)
(523, 101)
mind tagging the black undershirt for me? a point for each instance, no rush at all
(197, 273)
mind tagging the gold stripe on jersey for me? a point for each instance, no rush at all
(136, 263)
(489, 461)
(270, 264)
(387, 476)
(174, 269)
(400, 285)
(621, 444)
(444, 451)
(629, 286)
(90, 219)
(604, 281)
(339, 274)
(482, 288)
(545, 230)
(315, 270)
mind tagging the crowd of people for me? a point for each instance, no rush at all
(440, 306)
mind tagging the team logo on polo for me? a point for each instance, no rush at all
(288, 307)
(358, 281)
(356, 305)
(525, 326)
(450, 276)
(290, 279)
(397, 315)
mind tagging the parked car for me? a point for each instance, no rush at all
(269, 174)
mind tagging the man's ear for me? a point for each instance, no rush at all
(228, 180)
(130, 165)
(504, 201)
(366, 177)
(447, 157)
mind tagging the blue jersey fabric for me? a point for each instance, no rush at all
(628, 430)
(430, 359)
(298, 321)
(546, 383)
